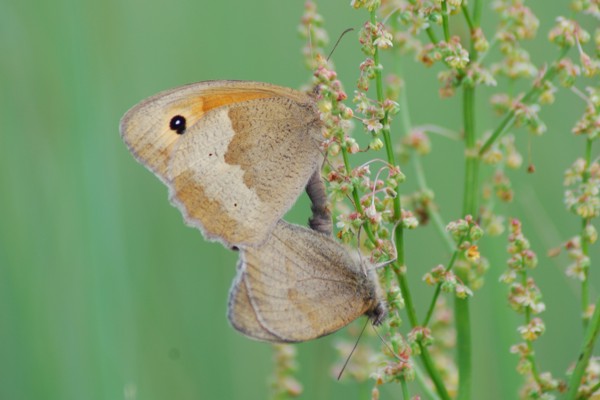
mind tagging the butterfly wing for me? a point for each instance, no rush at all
(242, 315)
(245, 154)
(300, 285)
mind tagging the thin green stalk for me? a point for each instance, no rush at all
(530, 357)
(463, 347)
(477, 7)
(445, 24)
(472, 159)
(405, 392)
(438, 288)
(441, 228)
(470, 196)
(530, 96)
(431, 35)
(355, 195)
(420, 173)
(425, 384)
(433, 212)
(399, 266)
(594, 388)
(467, 15)
(433, 373)
(412, 317)
(461, 306)
(585, 291)
(585, 353)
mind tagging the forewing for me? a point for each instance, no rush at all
(145, 128)
(243, 167)
(246, 153)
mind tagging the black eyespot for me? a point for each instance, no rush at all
(177, 124)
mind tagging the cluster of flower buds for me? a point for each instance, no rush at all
(583, 189)
(449, 282)
(466, 232)
(283, 383)
(524, 295)
(526, 298)
(589, 123)
(398, 365)
(311, 29)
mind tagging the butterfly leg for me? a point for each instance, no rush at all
(321, 218)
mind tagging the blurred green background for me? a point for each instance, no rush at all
(105, 294)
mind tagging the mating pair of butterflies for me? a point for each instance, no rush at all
(235, 156)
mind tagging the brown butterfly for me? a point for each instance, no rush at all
(235, 155)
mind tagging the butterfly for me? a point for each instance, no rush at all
(235, 156)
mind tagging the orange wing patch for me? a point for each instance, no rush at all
(196, 107)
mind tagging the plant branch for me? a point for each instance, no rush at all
(467, 15)
(585, 353)
(530, 357)
(399, 266)
(438, 288)
(461, 306)
(445, 21)
(355, 195)
(585, 291)
(405, 392)
(420, 173)
(530, 96)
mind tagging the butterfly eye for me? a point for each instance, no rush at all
(177, 124)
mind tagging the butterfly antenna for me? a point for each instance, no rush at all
(352, 352)
(386, 344)
(338, 41)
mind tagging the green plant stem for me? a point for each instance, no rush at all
(530, 96)
(472, 159)
(585, 286)
(433, 373)
(445, 24)
(471, 190)
(467, 15)
(585, 353)
(463, 347)
(399, 266)
(461, 306)
(405, 392)
(477, 7)
(389, 149)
